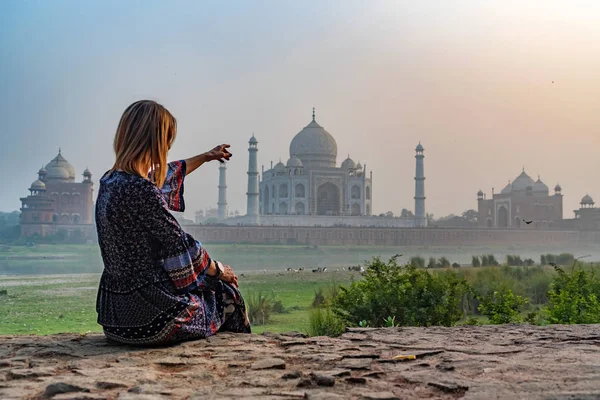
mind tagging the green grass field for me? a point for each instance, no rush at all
(47, 304)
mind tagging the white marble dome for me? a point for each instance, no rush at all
(294, 162)
(314, 146)
(348, 163)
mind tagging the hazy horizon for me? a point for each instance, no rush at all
(487, 88)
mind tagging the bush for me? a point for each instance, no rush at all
(259, 308)
(418, 261)
(443, 262)
(529, 262)
(574, 297)
(323, 298)
(432, 262)
(323, 322)
(475, 262)
(278, 307)
(514, 260)
(501, 306)
(413, 296)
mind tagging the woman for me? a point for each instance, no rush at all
(159, 285)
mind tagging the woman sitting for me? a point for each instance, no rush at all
(159, 284)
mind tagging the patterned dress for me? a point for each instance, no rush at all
(154, 289)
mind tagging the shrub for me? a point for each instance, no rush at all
(413, 296)
(514, 260)
(529, 262)
(323, 322)
(259, 308)
(574, 297)
(443, 262)
(278, 307)
(475, 262)
(502, 306)
(323, 298)
(432, 262)
(418, 261)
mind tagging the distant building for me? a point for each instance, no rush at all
(524, 203)
(56, 201)
(587, 217)
(311, 189)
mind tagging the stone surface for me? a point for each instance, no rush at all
(470, 362)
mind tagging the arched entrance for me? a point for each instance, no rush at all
(328, 199)
(299, 208)
(355, 209)
(517, 222)
(502, 217)
(489, 223)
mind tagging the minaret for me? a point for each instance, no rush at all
(222, 203)
(420, 188)
(252, 194)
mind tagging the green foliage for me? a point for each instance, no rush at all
(475, 262)
(443, 262)
(432, 263)
(260, 308)
(413, 296)
(560, 259)
(574, 297)
(363, 324)
(472, 321)
(514, 260)
(502, 306)
(529, 262)
(323, 298)
(417, 261)
(279, 308)
(323, 322)
(488, 260)
(390, 322)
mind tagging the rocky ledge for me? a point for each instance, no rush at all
(557, 362)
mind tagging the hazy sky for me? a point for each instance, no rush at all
(471, 80)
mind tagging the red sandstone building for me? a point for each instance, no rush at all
(524, 203)
(57, 202)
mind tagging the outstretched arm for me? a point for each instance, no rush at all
(218, 153)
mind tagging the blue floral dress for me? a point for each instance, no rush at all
(154, 289)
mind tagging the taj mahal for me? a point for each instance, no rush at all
(311, 189)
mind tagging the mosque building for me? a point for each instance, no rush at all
(56, 201)
(312, 189)
(523, 203)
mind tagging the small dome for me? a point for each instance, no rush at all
(522, 182)
(87, 173)
(480, 193)
(38, 185)
(557, 188)
(359, 166)
(587, 200)
(348, 163)
(253, 140)
(279, 167)
(419, 147)
(294, 162)
(540, 187)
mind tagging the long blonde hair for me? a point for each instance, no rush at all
(144, 136)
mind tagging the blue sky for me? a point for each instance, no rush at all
(471, 80)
